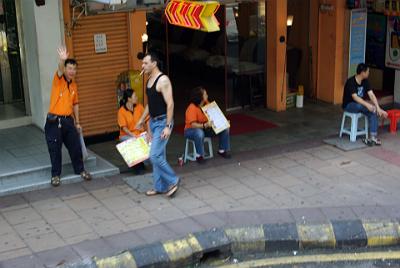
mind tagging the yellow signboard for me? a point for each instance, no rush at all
(193, 14)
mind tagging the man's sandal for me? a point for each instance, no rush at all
(172, 190)
(86, 176)
(152, 193)
(55, 181)
(376, 141)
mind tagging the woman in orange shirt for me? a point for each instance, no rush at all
(197, 126)
(129, 114)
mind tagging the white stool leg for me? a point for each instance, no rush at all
(342, 126)
(186, 151)
(210, 154)
(354, 128)
(366, 126)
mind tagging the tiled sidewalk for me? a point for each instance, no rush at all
(278, 184)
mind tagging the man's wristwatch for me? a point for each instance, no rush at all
(169, 125)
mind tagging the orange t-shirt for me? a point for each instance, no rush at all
(128, 119)
(63, 96)
(194, 114)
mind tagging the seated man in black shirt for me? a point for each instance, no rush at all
(355, 89)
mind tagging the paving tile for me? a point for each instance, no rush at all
(33, 228)
(124, 241)
(167, 214)
(206, 192)
(156, 233)
(96, 215)
(118, 203)
(23, 262)
(132, 215)
(11, 241)
(253, 181)
(275, 216)
(71, 191)
(99, 248)
(54, 257)
(5, 227)
(339, 213)
(11, 202)
(223, 181)
(21, 215)
(106, 193)
(371, 212)
(12, 254)
(155, 202)
(209, 220)
(81, 238)
(223, 203)
(82, 203)
(187, 203)
(142, 224)
(304, 190)
(199, 211)
(97, 184)
(44, 242)
(238, 191)
(308, 215)
(38, 195)
(182, 227)
(58, 215)
(111, 227)
(257, 201)
(48, 204)
(68, 229)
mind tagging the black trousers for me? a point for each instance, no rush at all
(68, 135)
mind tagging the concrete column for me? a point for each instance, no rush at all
(276, 54)
(397, 87)
(43, 33)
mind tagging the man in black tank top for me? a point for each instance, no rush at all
(161, 109)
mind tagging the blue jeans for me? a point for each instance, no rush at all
(354, 107)
(163, 175)
(198, 134)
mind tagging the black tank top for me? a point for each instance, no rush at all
(157, 105)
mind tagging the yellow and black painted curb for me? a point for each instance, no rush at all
(251, 240)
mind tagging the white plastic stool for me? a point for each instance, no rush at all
(191, 154)
(353, 132)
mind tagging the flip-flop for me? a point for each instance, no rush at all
(152, 193)
(173, 189)
(376, 142)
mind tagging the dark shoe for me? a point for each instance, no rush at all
(200, 160)
(225, 155)
(367, 142)
(86, 176)
(55, 181)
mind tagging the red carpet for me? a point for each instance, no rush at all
(240, 124)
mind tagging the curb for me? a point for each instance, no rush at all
(255, 239)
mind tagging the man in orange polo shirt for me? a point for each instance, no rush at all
(62, 122)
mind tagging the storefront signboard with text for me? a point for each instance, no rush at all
(393, 43)
(358, 33)
(193, 14)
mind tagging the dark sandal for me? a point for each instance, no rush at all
(55, 181)
(172, 190)
(152, 193)
(86, 176)
(367, 142)
(376, 142)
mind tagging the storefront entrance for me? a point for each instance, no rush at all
(229, 63)
(12, 97)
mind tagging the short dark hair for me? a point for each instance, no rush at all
(70, 61)
(196, 95)
(362, 67)
(154, 58)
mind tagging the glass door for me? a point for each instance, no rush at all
(245, 42)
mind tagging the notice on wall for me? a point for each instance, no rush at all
(100, 43)
(358, 33)
(393, 43)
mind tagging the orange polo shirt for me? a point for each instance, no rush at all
(63, 96)
(194, 114)
(129, 119)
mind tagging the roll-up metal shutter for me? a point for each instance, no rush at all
(97, 72)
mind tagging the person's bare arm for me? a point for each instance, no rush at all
(76, 117)
(62, 55)
(201, 125)
(164, 86)
(364, 103)
(374, 100)
(141, 121)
